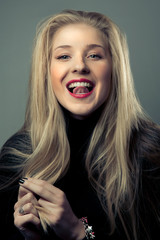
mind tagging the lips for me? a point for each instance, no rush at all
(80, 88)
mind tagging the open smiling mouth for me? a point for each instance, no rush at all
(80, 88)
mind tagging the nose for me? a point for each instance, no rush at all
(80, 66)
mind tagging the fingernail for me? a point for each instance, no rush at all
(25, 178)
(22, 180)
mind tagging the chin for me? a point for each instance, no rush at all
(81, 114)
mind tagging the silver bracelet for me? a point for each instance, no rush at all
(88, 229)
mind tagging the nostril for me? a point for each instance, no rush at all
(85, 70)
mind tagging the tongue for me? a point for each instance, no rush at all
(80, 90)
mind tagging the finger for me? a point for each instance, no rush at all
(28, 208)
(21, 221)
(48, 206)
(28, 198)
(43, 189)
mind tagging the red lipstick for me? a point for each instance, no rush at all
(80, 88)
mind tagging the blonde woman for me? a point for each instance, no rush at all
(87, 157)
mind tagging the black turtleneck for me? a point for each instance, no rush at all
(79, 191)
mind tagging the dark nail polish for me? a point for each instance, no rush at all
(25, 178)
(21, 180)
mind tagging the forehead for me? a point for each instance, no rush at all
(77, 34)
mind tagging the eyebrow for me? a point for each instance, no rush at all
(89, 46)
(63, 46)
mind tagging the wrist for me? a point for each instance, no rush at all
(79, 231)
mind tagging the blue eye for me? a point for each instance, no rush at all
(63, 57)
(95, 56)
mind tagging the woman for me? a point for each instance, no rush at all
(87, 157)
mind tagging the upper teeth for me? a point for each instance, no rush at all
(77, 84)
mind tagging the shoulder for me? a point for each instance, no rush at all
(20, 142)
(145, 157)
(12, 156)
(15, 150)
(145, 143)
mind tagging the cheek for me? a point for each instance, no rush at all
(56, 76)
(105, 73)
(106, 70)
(105, 76)
(55, 72)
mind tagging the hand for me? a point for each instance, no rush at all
(28, 221)
(56, 208)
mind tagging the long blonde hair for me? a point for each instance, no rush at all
(107, 153)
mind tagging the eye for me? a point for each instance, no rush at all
(94, 56)
(63, 57)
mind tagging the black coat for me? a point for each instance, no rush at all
(81, 195)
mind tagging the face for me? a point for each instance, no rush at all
(80, 69)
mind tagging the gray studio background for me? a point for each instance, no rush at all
(139, 19)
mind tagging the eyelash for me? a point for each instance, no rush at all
(95, 56)
(66, 57)
(63, 57)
